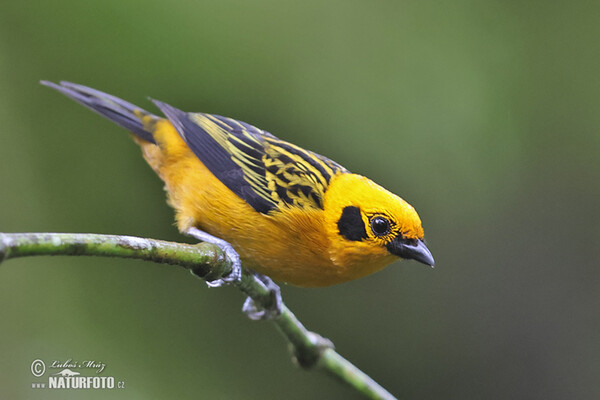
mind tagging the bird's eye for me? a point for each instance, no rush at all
(380, 226)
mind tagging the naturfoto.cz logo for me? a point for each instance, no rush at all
(67, 376)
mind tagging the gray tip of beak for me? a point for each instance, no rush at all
(412, 249)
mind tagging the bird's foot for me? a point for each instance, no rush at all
(257, 312)
(250, 308)
(236, 265)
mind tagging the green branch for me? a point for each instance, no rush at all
(208, 262)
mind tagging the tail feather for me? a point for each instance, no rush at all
(119, 111)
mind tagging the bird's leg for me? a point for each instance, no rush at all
(250, 308)
(256, 312)
(236, 267)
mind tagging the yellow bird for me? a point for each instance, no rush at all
(289, 213)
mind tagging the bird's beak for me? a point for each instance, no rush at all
(412, 249)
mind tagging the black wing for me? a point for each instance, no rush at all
(266, 172)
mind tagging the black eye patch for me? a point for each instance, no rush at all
(351, 225)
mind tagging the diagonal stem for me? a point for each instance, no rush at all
(209, 262)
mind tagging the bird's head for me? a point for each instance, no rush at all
(370, 227)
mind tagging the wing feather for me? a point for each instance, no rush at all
(266, 172)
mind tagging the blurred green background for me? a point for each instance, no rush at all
(482, 114)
